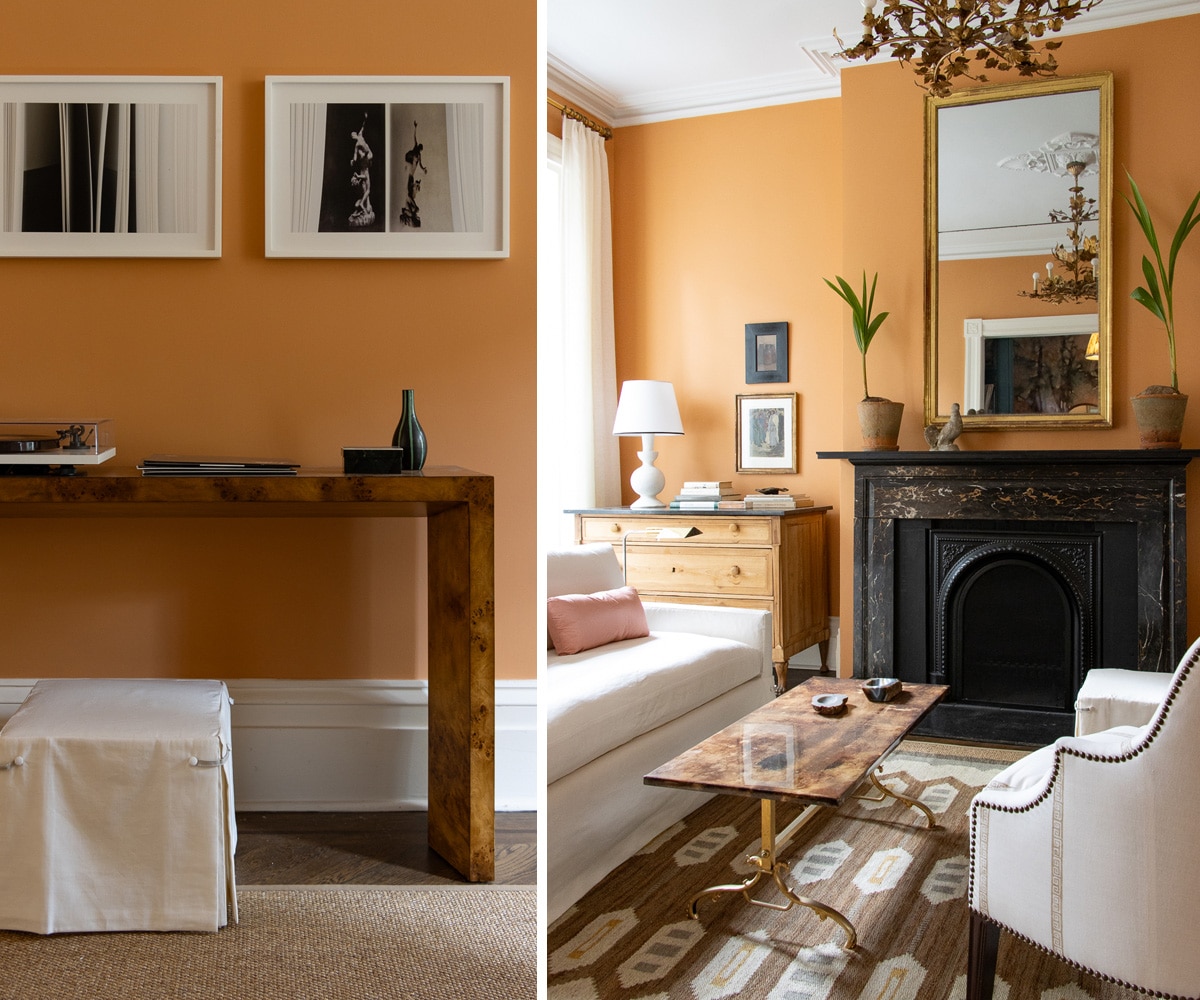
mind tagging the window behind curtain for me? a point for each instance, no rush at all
(554, 436)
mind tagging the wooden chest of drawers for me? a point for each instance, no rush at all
(774, 560)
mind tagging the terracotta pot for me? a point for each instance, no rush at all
(1158, 412)
(879, 420)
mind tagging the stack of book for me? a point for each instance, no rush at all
(703, 495)
(777, 501)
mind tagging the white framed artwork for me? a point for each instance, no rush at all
(380, 166)
(110, 166)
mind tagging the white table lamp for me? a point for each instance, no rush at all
(647, 408)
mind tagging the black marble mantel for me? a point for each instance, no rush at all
(1143, 488)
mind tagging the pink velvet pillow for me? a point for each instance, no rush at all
(583, 621)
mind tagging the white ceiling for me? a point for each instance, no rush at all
(635, 61)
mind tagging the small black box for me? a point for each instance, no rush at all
(372, 461)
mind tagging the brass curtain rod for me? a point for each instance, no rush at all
(579, 116)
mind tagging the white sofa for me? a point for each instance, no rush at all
(616, 712)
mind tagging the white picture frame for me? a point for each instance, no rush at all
(387, 166)
(110, 166)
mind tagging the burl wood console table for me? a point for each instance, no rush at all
(458, 509)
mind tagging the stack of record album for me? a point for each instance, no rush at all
(190, 465)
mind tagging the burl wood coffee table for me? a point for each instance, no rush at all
(787, 752)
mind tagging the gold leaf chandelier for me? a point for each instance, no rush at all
(939, 37)
(1076, 281)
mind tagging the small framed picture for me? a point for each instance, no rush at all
(766, 432)
(766, 352)
(364, 166)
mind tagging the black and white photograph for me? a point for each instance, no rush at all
(420, 170)
(109, 167)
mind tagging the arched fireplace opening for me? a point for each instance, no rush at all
(1013, 619)
(1013, 635)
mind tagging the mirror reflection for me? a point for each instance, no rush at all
(1018, 221)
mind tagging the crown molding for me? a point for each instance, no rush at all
(818, 74)
(818, 78)
(1123, 13)
(575, 88)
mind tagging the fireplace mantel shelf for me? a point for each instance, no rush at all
(1118, 456)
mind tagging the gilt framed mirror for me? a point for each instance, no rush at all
(1018, 217)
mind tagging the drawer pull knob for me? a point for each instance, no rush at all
(734, 528)
(735, 571)
(615, 529)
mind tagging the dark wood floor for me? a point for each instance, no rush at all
(368, 848)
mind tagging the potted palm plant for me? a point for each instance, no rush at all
(1159, 409)
(878, 418)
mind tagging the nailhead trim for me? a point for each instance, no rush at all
(1189, 661)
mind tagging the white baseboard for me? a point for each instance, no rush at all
(352, 746)
(811, 657)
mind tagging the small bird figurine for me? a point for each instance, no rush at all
(943, 439)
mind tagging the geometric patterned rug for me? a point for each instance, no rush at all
(901, 884)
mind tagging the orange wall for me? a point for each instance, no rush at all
(277, 357)
(721, 221)
(734, 218)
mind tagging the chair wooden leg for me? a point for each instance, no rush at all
(982, 944)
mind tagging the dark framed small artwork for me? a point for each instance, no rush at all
(766, 352)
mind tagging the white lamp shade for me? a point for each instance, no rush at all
(647, 407)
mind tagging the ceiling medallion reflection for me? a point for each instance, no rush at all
(938, 38)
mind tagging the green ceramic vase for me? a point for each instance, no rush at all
(410, 435)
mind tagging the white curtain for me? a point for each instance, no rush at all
(590, 465)
(578, 464)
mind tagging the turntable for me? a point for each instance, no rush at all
(54, 447)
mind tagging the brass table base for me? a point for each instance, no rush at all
(767, 863)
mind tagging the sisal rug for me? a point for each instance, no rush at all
(301, 943)
(902, 885)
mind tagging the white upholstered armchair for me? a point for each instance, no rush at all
(1087, 849)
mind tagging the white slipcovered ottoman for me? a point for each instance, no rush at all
(1112, 697)
(116, 807)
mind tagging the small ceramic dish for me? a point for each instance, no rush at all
(829, 704)
(881, 688)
